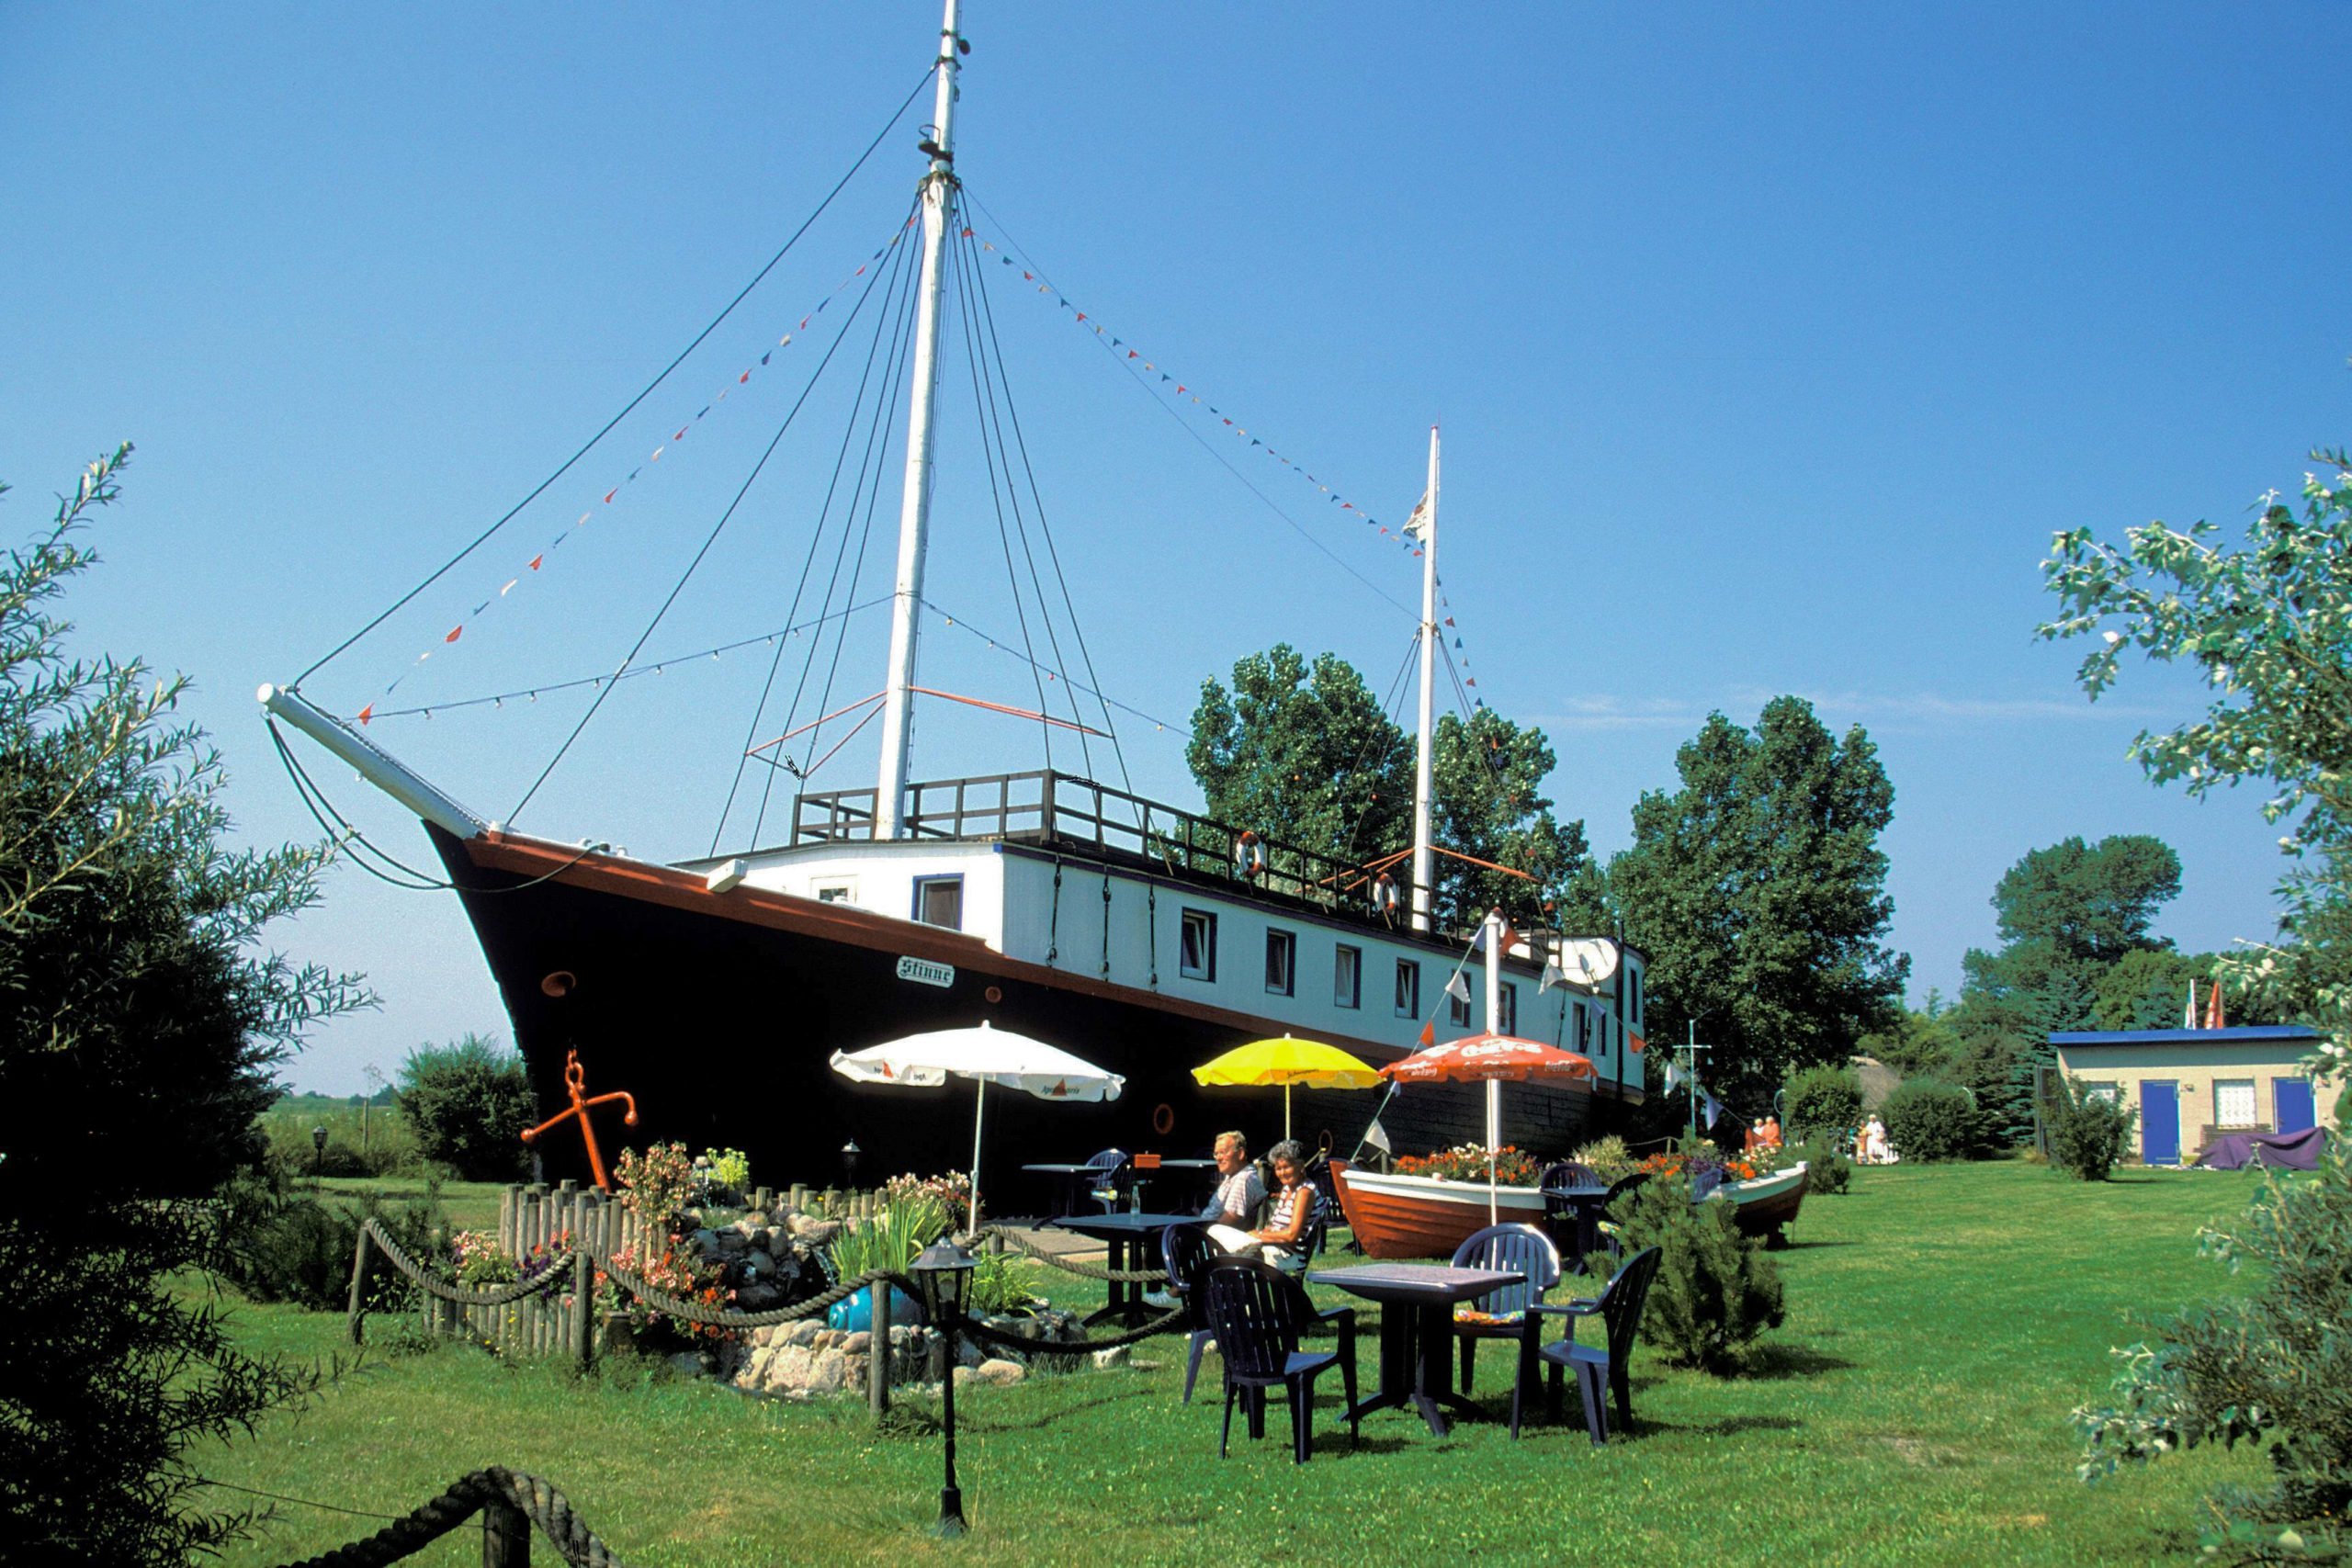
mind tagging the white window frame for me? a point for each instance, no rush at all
(1205, 922)
(1347, 976)
(1282, 979)
(2253, 1105)
(1408, 983)
(924, 884)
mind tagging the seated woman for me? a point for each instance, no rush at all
(1280, 1241)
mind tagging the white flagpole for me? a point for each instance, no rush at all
(980, 1113)
(1424, 755)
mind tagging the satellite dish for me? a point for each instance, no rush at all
(1588, 960)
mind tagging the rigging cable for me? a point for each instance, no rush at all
(991, 444)
(1152, 391)
(875, 460)
(1021, 444)
(808, 561)
(536, 490)
(679, 587)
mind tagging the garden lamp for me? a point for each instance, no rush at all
(943, 1271)
(318, 1151)
(850, 1152)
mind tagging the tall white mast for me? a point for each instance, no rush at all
(1424, 757)
(914, 508)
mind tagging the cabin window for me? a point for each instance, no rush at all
(1408, 989)
(836, 892)
(1508, 1023)
(1198, 957)
(1282, 953)
(2110, 1092)
(939, 901)
(1347, 976)
(1457, 1008)
(2234, 1103)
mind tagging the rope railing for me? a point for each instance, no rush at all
(549, 1278)
(496, 1488)
(1085, 1271)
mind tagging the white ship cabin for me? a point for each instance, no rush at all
(1059, 871)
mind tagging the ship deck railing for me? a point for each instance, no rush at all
(1078, 816)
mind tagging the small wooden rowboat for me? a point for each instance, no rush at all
(1419, 1216)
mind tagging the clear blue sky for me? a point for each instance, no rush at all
(1771, 346)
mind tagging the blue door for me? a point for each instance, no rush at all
(2294, 1099)
(2159, 1123)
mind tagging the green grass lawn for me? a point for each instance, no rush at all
(1943, 1321)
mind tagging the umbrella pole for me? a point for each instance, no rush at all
(980, 1113)
(1285, 1111)
(1494, 1136)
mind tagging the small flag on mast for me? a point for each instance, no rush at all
(1417, 526)
(1457, 987)
(1377, 1136)
(2189, 1014)
(2213, 1004)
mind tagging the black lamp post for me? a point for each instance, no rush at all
(849, 1166)
(944, 1270)
(318, 1153)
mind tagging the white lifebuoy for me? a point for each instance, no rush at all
(1385, 898)
(1248, 855)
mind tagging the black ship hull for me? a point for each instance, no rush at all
(720, 1012)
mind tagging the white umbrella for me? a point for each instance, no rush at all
(988, 1057)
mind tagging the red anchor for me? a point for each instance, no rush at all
(575, 1080)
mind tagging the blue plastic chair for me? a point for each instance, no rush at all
(1500, 1311)
(1188, 1251)
(1259, 1313)
(1108, 1164)
(1619, 1309)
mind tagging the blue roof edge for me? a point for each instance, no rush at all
(2181, 1036)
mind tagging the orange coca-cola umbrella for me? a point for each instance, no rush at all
(1490, 1059)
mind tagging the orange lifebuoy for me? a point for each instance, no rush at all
(1384, 895)
(1248, 855)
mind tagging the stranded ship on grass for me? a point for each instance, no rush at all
(1145, 938)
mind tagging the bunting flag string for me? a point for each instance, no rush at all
(533, 694)
(528, 569)
(1187, 391)
(1048, 670)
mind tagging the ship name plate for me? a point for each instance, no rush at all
(923, 971)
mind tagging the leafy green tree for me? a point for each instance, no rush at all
(1920, 1040)
(1487, 774)
(2268, 620)
(2070, 914)
(1758, 890)
(139, 1023)
(468, 1102)
(1304, 753)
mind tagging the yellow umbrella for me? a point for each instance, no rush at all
(1288, 1062)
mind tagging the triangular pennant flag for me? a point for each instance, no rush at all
(542, 555)
(1457, 986)
(1635, 1043)
(1417, 525)
(367, 712)
(1710, 1107)
(1428, 1034)
(1552, 976)
(2214, 1006)
(1673, 1075)
(454, 633)
(1448, 620)
(1377, 1136)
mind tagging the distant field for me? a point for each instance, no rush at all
(1942, 1322)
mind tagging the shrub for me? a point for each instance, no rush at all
(1715, 1291)
(1826, 1168)
(658, 1186)
(469, 1103)
(2273, 1368)
(1609, 1157)
(1821, 1100)
(298, 1248)
(1927, 1119)
(2087, 1131)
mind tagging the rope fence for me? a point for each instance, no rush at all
(511, 1503)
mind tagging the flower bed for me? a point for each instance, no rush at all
(1513, 1167)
